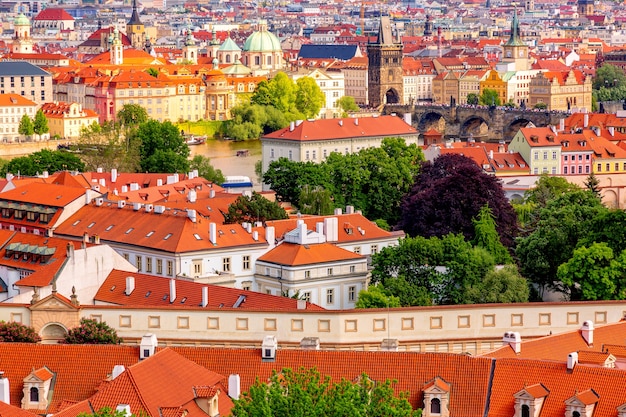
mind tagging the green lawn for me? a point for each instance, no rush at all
(201, 127)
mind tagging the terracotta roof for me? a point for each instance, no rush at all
(292, 254)
(43, 374)
(8, 410)
(154, 291)
(53, 195)
(15, 100)
(587, 397)
(537, 391)
(327, 129)
(594, 357)
(53, 14)
(539, 136)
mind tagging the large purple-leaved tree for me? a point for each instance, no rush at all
(448, 193)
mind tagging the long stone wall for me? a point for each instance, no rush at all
(472, 329)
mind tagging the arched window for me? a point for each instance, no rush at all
(269, 60)
(390, 75)
(257, 60)
(435, 406)
(525, 411)
(575, 414)
(228, 59)
(34, 395)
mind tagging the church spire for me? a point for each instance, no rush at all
(134, 18)
(515, 39)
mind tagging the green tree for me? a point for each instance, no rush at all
(18, 332)
(540, 106)
(593, 184)
(503, 285)
(490, 97)
(132, 115)
(44, 160)
(315, 200)
(609, 76)
(26, 126)
(305, 392)
(161, 147)
(253, 209)
(309, 97)
(472, 98)
(593, 274)
(92, 332)
(486, 236)
(347, 105)
(206, 170)
(104, 412)
(376, 297)
(287, 177)
(40, 124)
(153, 71)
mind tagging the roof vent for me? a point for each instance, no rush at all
(117, 371)
(310, 343)
(389, 345)
(572, 360)
(587, 332)
(121, 204)
(514, 340)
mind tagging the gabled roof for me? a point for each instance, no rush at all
(535, 391)
(21, 68)
(8, 410)
(154, 291)
(53, 14)
(15, 100)
(52, 195)
(328, 129)
(292, 254)
(540, 137)
(342, 52)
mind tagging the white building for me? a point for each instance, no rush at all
(12, 108)
(332, 85)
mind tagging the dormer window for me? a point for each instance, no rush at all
(34, 395)
(436, 398)
(435, 406)
(529, 401)
(581, 404)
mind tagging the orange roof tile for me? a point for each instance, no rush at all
(16, 100)
(8, 410)
(587, 397)
(292, 254)
(594, 357)
(43, 374)
(53, 195)
(537, 391)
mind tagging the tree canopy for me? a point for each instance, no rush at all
(161, 147)
(309, 97)
(40, 124)
(17, 332)
(347, 104)
(489, 97)
(609, 76)
(448, 194)
(132, 115)
(305, 392)
(26, 127)
(44, 160)
(253, 209)
(92, 332)
(206, 170)
(376, 297)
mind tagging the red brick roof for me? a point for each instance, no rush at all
(292, 254)
(53, 14)
(52, 195)
(327, 129)
(7, 410)
(154, 291)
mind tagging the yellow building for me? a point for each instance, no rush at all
(65, 120)
(493, 81)
(561, 90)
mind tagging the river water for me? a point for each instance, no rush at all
(223, 155)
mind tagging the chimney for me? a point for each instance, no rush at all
(586, 120)
(340, 122)
(349, 209)
(99, 170)
(99, 201)
(191, 214)
(148, 345)
(159, 182)
(310, 343)
(149, 208)
(192, 196)
(562, 125)
(587, 332)
(130, 285)
(172, 290)
(96, 239)
(292, 126)
(611, 130)
(268, 349)
(5, 393)
(319, 228)
(491, 154)
(136, 206)
(331, 229)
(45, 174)
(301, 304)
(124, 188)
(572, 360)
(212, 194)
(113, 175)
(117, 371)
(234, 386)
(87, 196)
(408, 118)
(356, 121)
(514, 340)
(205, 297)
(121, 204)
(255, 235)
(85, 237)
(337, 212)
(70, 250)
(270, 236)
(213, 233)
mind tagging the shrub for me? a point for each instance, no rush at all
(92, 332)
(17, 332)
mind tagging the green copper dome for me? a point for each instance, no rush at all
(262, 41)
(21, 20)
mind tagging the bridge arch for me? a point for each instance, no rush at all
(432, 120)
(513, 127)
(475, 127)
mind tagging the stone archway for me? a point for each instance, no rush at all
(609, 198)
(514, 127)
(392, 96)
(432, 120)
(51, 333)
(475, 127)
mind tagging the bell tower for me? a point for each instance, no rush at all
(22, 42)
(135, 30)
(384, 71)
(515, 50)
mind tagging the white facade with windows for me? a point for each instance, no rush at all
(332, 84)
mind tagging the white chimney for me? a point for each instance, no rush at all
(340, 122)
(234, 385)
(192, 196)
(319, 228)
(408, 118)
(212, 194)
(572, 360)
(255, 235)
(192, 215)
(356, 121)
(337, 212)
(586, 120)
(514, 340)
(562, 125)
(611, 130)
(172, 290)
(331, 229)
(130, 285)
(113, 175)
(117, 371)
(292, 126)
(301, 304)
(5, 393)
(86, 237)
(136, 206)
(587, 332)
(148, 346)
(45, 174)
(124, 188)
(213, 233)
(205, 296)
(99, 170)
(491, 154)
(123, 410)
(121, 204)
(99, 201)
(87, 196)
(349, 209)
(270, 236)
(159, 182)
(159, 209)
(149, 208)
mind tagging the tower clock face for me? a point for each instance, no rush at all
(521, 53)
(508, 54)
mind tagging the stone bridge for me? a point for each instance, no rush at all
(489, 124)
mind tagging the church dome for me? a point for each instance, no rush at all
(21, 20)
(262, 40)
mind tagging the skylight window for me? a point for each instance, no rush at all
(150, 233)
(197, 236)
(167, 236)
(130, 230)
(76, 222)
(91, 225)
(109, 228)
(148, 294)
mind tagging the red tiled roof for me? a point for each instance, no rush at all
(154, 291)
(537, 391)
(53, 195)
(327, 129)
(53, 14)
(292, 254)
(15, 100)
(593, 357)
(7, 410)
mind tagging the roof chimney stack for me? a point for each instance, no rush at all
(572, 360)
(130, 285)
(172, 290)
(587, 332)
(514, 340)
(205, 297)
(5, 393)
(234, 386)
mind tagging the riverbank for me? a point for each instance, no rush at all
(13, 150)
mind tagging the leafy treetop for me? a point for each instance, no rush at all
(92, 332)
